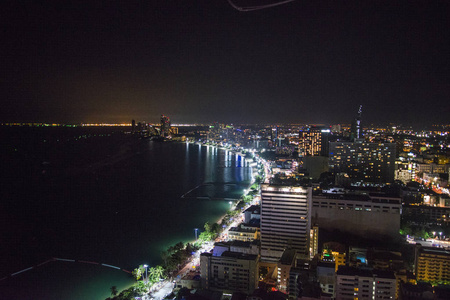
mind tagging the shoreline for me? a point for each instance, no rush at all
(191, 260)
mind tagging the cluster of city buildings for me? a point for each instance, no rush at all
(331, 209)
(332, 204)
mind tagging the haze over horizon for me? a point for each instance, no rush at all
(203, 61)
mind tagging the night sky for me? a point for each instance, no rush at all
(204, 61)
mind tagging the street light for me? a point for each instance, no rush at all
(146, 266)
(440, 233)
(196, 232)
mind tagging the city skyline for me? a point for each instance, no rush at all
(200, 62)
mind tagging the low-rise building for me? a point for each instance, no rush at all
(432, 264)
(243, 233)
(253, 212)
(287, 261)
(326, 276)
(431, 214)
(190, 281)
(433, 168)
(334, 252)
(230, 272)
(236, 246)
(363, 284)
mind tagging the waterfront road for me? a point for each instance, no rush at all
(162, 292)
(164, 288)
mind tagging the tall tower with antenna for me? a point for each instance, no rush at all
(356, 126)
(358, 123)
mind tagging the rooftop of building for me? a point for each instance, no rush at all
(235, 255)
(359, 142)
(239, 255)
(416, 288)
(352, 271)
(236, 243)
(208, 294)
(242, 229)
(434, 250)
(192, 276)
(335, 246)
(284, 185)
(378, 198)
(254, 209)
(325, 264)
(386, 255)
(255, 223)
(288, 257)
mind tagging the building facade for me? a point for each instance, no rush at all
(353, 283)
(371, 162)
(432, 264)
(230, 272)
(310, 142)
(285, 220)
(370, 215)
(241, 233)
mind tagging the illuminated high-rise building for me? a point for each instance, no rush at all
(215, 132)
(314, 141)
(285, 220)
(372, 162)
(310, 142)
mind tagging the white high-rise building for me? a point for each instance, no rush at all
(285, 220)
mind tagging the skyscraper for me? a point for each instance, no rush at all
(285, 220)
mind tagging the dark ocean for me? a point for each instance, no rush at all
(98, 195)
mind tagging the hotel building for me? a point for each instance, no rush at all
(285, 220)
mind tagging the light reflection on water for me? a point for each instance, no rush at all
(135, 212)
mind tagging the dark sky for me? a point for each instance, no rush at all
(203, 61)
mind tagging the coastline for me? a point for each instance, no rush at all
(191, 262)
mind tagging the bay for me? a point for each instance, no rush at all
(122, 212)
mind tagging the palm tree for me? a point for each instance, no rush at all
(137, 273)
(179, 246)
(159, 272)
(114, 290)
(152, 277)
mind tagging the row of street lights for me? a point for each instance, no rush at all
(440, 234)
